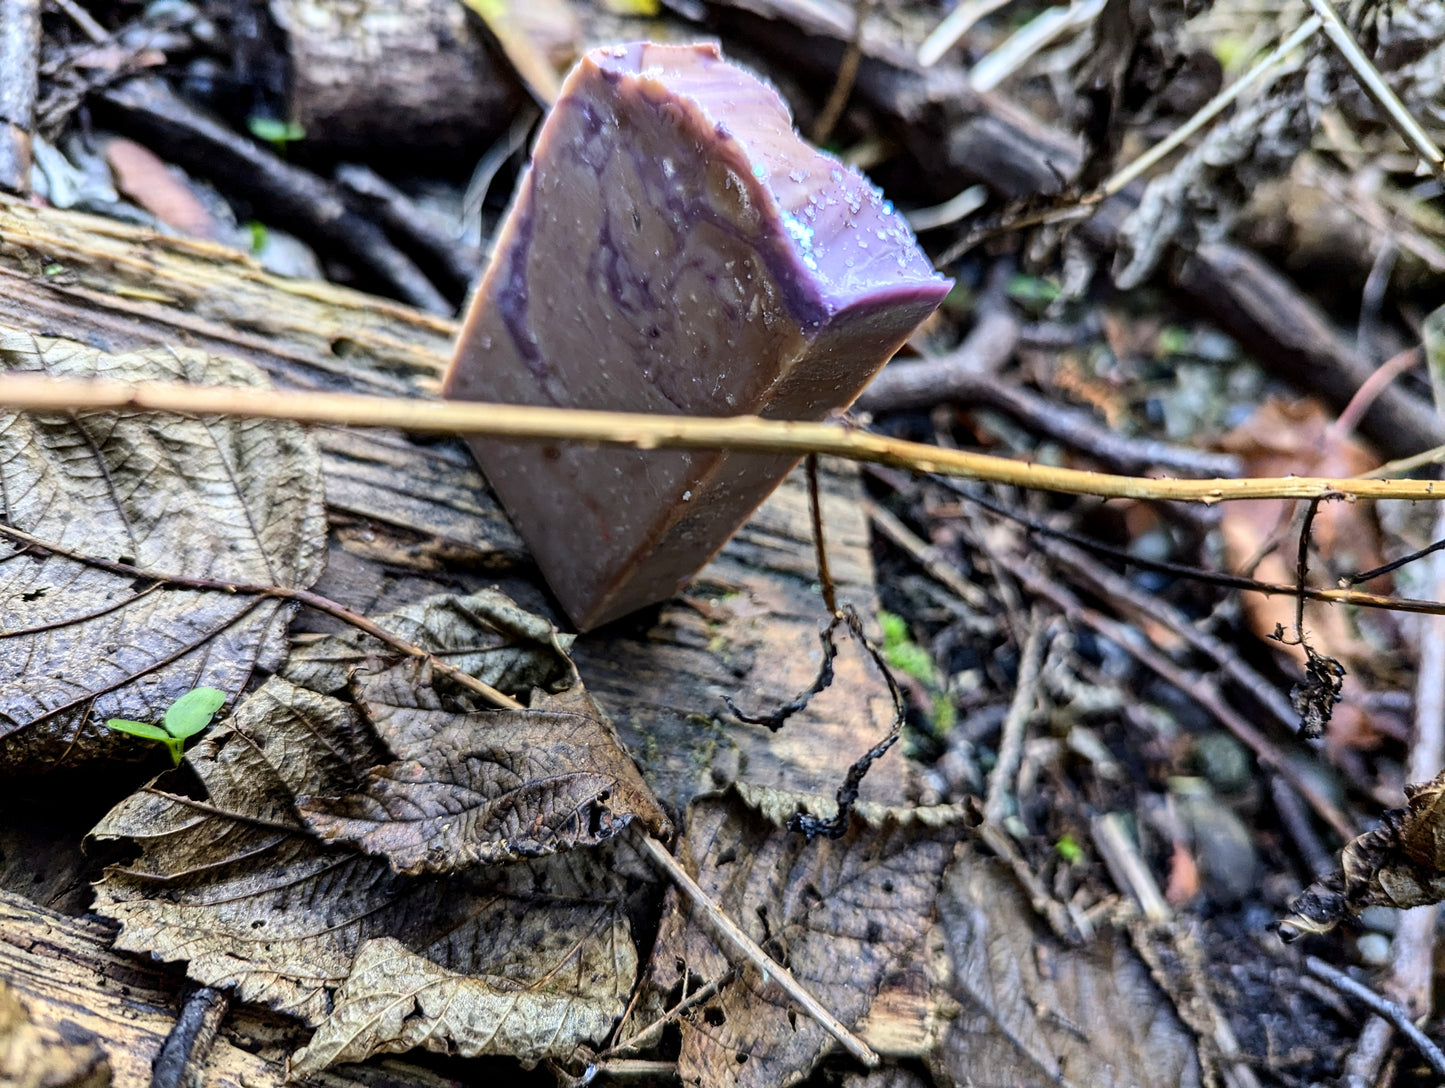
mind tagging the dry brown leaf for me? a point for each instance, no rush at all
(144, 177)
(485, 635)
(229, 499)
(1401, 863)
(1288, 438)
(230, 880)
(483, 787)
(396, 1000)
(1034, 1011)
(843, 915)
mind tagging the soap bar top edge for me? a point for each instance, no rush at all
(844, 240)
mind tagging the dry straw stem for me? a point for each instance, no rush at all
(744, 945)
(39, 393)
(1375, 86)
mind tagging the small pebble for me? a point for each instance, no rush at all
(1374, 949)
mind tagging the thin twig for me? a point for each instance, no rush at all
(1147, 608)
(648, 1034)
(1202, 692)
(745, 946)
(1033, 37)
(84, 20)
(1381, 1005)
(1394, 565)
(954, 26)
(643, 431)
(847, 73)
(284, 593)
(1378, 381)
(635, 1069)
(1021, 708)
(181, 1062)
(820, 548)
(1127, 868)
(1375, 86)
(1068, 929)
(928, 557)
(1296, 821)
(1210, 577)
(1302, 569)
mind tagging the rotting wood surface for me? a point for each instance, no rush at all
(410, 517)
(79, 993)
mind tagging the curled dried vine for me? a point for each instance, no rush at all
(1314, 698)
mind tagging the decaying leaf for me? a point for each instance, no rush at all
(1033, 1011)
(843, 915)
(484, 787)
(396, 1000)
(1284, 438)
(234, 500)
(1401, 863)
(485, 635)
(231, 880)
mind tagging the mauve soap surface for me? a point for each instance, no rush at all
(675, 248)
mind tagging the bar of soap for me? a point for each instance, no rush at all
(676, 248)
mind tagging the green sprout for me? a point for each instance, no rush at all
(186, 717)
(1069, 849)
(906, 656)
(901, 652)
(276, 133)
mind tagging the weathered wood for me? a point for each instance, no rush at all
(406, 75)
(412, 516)
(75, 988)
(19, 86)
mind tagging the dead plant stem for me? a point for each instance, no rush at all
(646, 432)
(820, 546)
(745, 946)
(847, 73)
(1201, 691)
(1020, 710)
(1382, 1006)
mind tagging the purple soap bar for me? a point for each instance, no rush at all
(676, 248)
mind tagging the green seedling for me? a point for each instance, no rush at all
(276, 133)
(1069, 849)
(906, 656)
(902, 653)
(186, 717)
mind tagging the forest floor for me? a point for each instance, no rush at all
(1137, 733)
